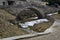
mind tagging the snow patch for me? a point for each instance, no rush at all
(31, 23)
(52, 14)
(49, 14)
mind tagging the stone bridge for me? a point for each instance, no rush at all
(24, 5)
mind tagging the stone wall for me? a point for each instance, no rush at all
(3, 2)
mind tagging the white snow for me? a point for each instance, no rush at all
(55, 13)
(49, 14)
(31, 23)
(52, 14)
(34, 18)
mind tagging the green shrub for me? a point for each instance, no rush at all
(59, 12)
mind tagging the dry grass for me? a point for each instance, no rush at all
(27, 20)
(57, 16)
(41, 27)
(6, 29)
(6, 15)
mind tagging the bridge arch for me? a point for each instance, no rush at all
(40, 16)
(28, 12)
